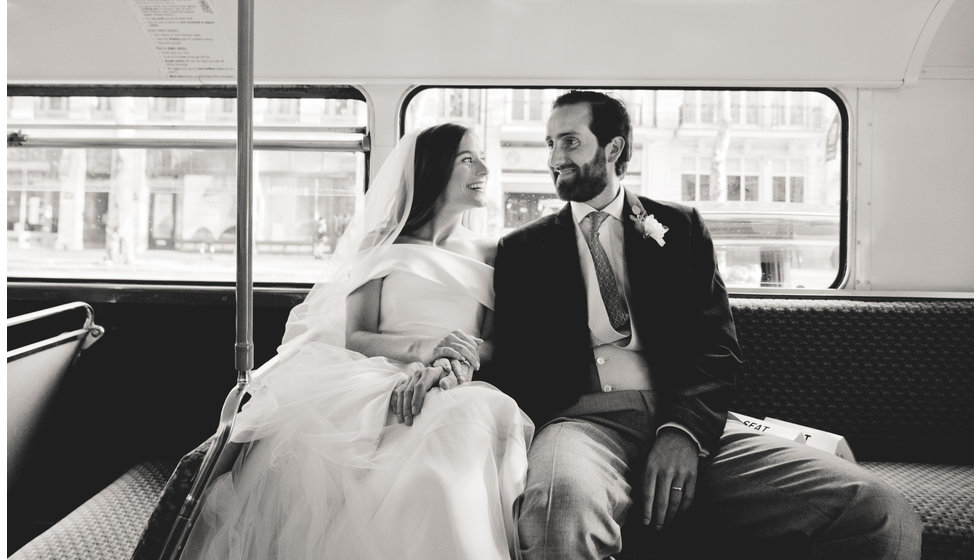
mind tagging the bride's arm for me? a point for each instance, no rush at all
(407, 398)
(486, 333)
(488, 248)
(363, 318)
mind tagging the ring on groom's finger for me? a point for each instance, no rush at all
(677, 488)
(465, 362)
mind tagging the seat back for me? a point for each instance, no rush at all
(894, 376)
(34, 372)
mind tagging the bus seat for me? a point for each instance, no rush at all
(34, 371)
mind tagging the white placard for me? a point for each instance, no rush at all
(188, 39)
(767, 428)
(826, 441)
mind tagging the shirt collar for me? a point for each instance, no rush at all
(615, 208)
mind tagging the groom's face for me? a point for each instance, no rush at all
(577, 162)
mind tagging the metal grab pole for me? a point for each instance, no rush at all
(243, 278)
(191, 508)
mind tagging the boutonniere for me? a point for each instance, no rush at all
(648, 226)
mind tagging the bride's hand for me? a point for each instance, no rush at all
(456, 345)
(409, 394)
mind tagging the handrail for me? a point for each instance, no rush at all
(243, 231)
(66, 124)
(243, 286)
(87, 334)
(53, 311)
(195, 143)
(93, 332)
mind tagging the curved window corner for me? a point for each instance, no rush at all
(764, 167)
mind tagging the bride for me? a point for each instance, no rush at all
(371, 440)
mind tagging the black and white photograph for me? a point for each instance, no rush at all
(490, 279)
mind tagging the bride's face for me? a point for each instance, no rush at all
(467, 184)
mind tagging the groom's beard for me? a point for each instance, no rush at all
(589, 180)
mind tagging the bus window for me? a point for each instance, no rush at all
(140, 184)
(764, 167)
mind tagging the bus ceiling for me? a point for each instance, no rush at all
(777, 43)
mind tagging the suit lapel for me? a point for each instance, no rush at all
(641, 254)
(566, 268)
(644, 258)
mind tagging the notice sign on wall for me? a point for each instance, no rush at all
(189, 41)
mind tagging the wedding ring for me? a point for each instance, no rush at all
(678, 488)
(465, 362)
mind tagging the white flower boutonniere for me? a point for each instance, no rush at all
(648, 226)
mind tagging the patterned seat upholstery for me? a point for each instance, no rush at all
(895, 377)
(943, 497)
(158, 524)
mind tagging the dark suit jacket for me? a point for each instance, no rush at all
(543, 351)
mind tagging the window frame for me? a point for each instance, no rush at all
(843, 249)
(170, 291)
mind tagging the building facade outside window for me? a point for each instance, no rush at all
(136, 187)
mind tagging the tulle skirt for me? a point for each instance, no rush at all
(326, 471)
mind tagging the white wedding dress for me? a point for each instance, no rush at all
(330, 474)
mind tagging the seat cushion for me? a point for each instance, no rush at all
(943, 497)
(108, 525)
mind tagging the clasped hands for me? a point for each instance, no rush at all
(446, 361)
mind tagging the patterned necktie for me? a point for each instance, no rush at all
(607, 280)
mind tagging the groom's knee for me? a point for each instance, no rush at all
(566, 519)
(880, 522)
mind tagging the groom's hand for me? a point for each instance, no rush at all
(672, 472)
(455, 373)
(456, 345)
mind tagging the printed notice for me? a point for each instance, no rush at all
(187, 37)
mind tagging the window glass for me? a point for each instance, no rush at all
(145, 188)
(751, 188)
(734, 187)
(688, 187)
(763, 167)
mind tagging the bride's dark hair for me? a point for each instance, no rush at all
(435, 155)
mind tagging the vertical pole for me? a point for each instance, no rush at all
(243, 270)
(191, 508)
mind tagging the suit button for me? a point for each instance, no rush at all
(600, 361)
(606, 388)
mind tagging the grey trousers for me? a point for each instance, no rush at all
(758, 489)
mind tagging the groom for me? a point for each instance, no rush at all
(614, 333)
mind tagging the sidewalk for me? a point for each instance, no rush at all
(165, 265)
